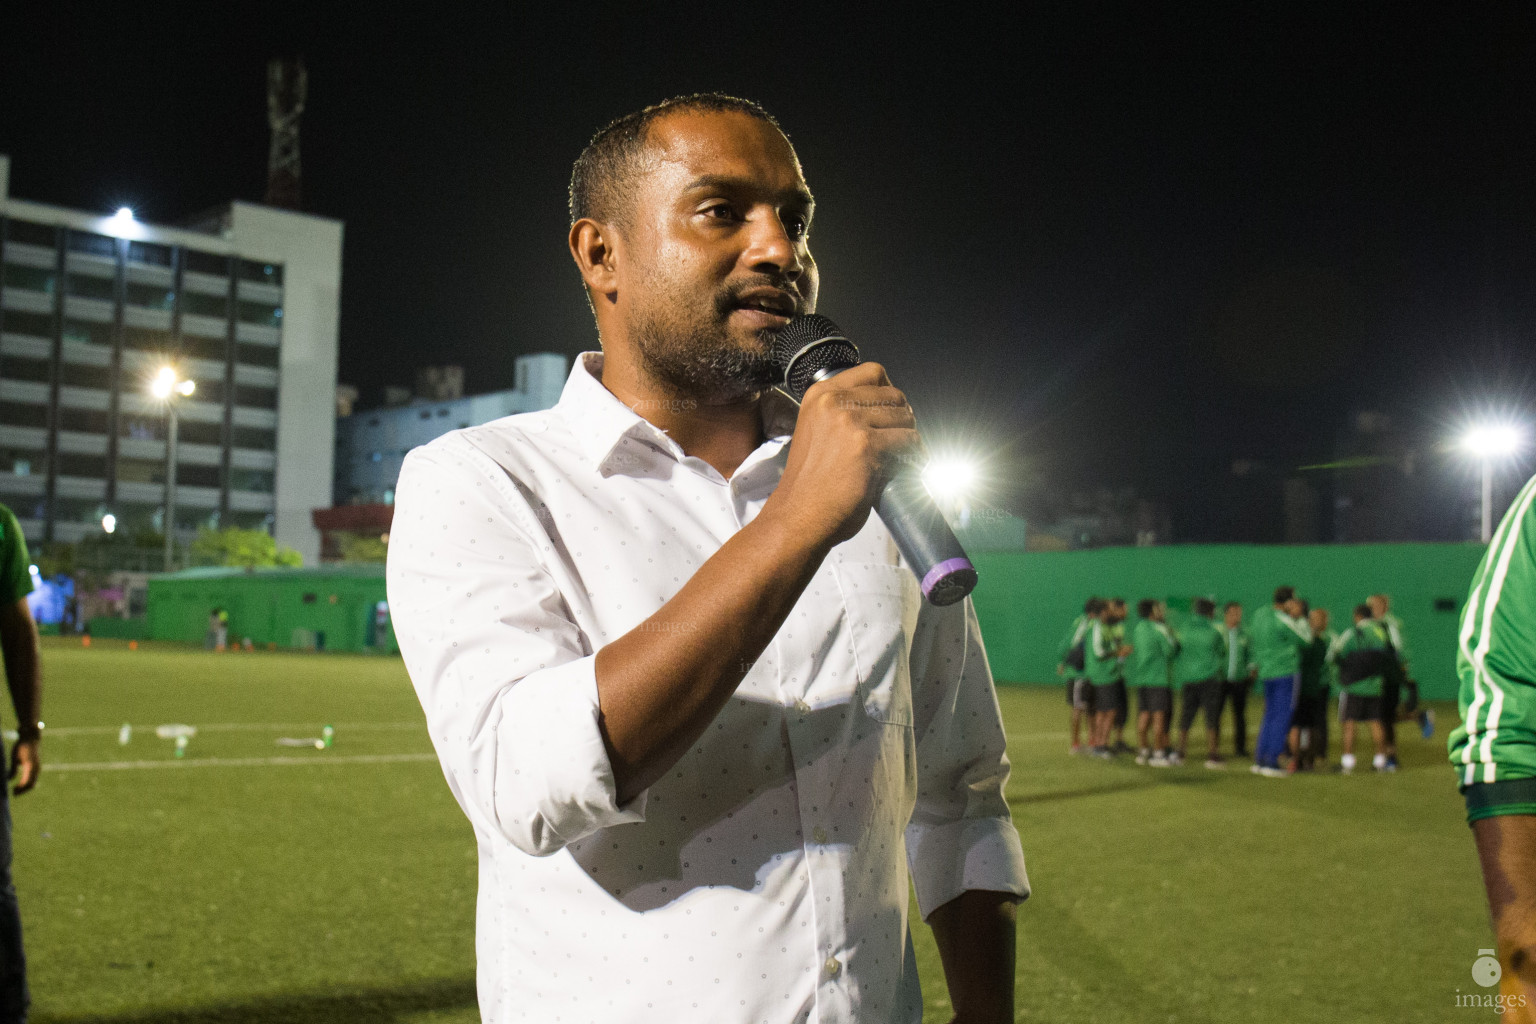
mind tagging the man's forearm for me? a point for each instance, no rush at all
(18, 644)
(1506, 846)
(661, 684)
(976, 935)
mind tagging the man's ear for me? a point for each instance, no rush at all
(593, 247)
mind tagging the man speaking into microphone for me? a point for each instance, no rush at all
(681, 683)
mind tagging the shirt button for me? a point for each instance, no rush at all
(832, 967)
(820, 835)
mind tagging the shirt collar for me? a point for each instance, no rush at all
(602, 423)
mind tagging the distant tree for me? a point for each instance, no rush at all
(356, 547)
(253, 549)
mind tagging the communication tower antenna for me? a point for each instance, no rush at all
(287, 86)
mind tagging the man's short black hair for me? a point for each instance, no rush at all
(1284, 594)
(1145, 606)
(601, 178)
(1362, 611)
(1205, 606)
(1093, 606)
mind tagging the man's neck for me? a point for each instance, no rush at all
(722, 434)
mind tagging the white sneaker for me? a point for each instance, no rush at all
(1143, 756)
(1255, 768)
(1159, 761)
(1273, 773)
(1175, 758)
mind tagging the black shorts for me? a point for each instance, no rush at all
(1311, 711)
(1154, 699)
(1080, 694)
(1195, 697)
(1355, 708)
(1105, 695)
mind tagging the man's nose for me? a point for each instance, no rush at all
(771, 248)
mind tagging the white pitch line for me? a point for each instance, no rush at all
(112, 730)
(235, 762)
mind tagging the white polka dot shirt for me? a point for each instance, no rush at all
(765, 877)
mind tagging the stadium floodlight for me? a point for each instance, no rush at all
(109, 523)
(168, 384)
(1486, 443)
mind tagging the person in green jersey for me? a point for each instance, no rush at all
(18, 644)
(1071, 659)
(1237, 675)
(1309, 725)
(1102, 657)
(1198, 672)
(1279, 634)
(1494, 748)
(1399, 692)
(1150, 671)
(1361, 654)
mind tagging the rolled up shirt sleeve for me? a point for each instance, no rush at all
(504, 674)
(961, 836)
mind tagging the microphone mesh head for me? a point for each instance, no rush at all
(807, 345)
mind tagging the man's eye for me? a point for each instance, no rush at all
(720, 211)
(796, 226)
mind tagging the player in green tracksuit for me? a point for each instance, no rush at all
(1102, 655)
(1279, 634)
(1237, 674)
(1309, 725)
(1072, 661)
(1150, 671)
(1198, 671)
(1358, 645)
(1494, 748)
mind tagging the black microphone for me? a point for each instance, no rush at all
(811, 348)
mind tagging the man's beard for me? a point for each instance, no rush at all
(698, 360)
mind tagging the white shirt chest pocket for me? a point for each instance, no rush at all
(881, 602)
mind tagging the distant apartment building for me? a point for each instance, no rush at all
(245, 304)
(371, 445)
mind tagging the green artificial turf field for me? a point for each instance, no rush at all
(298, 886)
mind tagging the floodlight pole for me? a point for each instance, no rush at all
(1487, 499)
(170, 483)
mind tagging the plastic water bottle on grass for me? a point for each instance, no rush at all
(181, 745)
(328, 736)
(124, 735)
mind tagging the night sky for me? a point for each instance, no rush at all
(1112, 249)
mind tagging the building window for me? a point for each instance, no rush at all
(254, 437)
(86, 376)
(96, 245)
(150, 296)
(20, 414)
(257, 355)
(205, 348)
(86, 421)
(205, 305)
(197, 476)
(148, 252)
(207, 263)
(254, 397)
(39, 325)
(265, 273)
(78, 510)
(140, 471)
(20, 368)
(23, 461)
(146, 339)
(198, 432)
(92, 466)
(33, 279)
(88, 286)
(139, 428)
(32, 234)
(259, 480)
(88, 333)
(262, 313)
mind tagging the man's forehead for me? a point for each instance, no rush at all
(688, 145)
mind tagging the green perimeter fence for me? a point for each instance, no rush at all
(1026, 600)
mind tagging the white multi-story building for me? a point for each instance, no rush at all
(371, 445)
(246, 305)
